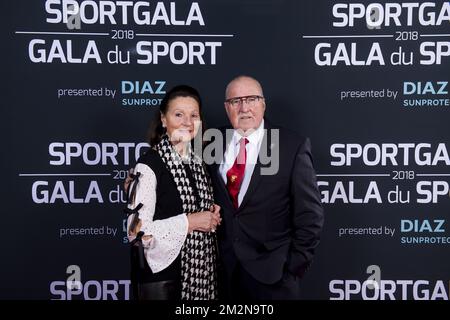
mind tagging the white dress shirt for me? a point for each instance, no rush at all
(232, 151)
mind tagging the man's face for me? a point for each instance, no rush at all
(244, 104)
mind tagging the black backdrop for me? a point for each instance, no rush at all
(274, 41)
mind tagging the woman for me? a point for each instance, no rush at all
(172, 213)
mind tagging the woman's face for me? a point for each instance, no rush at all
(182, 119)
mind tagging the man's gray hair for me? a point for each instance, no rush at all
(242, 77)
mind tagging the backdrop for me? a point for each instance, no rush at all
(367, 82)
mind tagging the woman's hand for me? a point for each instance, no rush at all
(128, 179)
(133, 233)
(215, 209)
(204, 221)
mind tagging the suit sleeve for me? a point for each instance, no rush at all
(307, 212)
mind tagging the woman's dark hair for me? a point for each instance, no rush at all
(156, 128)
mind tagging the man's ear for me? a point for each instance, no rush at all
(226, 107)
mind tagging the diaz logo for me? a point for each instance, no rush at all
(423, 232)
(142, 93)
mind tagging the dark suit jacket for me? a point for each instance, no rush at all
(278, 224)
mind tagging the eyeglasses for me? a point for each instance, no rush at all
(250, 100)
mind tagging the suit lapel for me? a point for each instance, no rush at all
(216, 168)
(256, 175)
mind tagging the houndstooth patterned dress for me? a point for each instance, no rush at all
(199, 252)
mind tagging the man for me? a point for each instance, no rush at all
(271, 220)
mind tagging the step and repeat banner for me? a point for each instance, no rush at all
(366, 81)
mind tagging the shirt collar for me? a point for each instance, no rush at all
(254, 138)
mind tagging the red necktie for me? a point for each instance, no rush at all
(236, 173)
